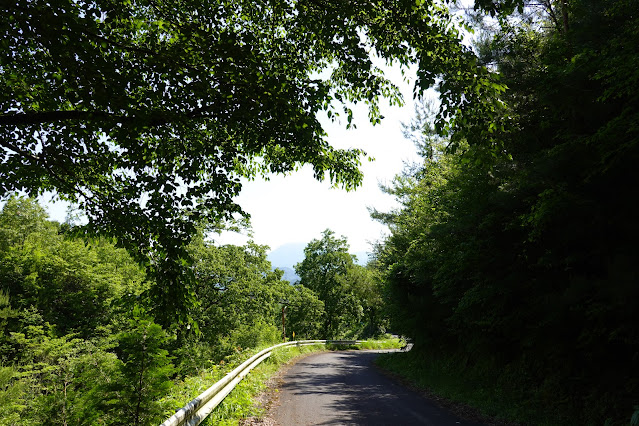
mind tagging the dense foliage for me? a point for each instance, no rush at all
(78, 344)
(521, 261)
(147, 113)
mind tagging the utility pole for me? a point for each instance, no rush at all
(284, 322)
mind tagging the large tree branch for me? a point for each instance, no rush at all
(564, 15)
(551, 12)
(41, 117)
(157, 118)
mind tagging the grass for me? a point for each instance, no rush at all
(240, 403)
(386, 343)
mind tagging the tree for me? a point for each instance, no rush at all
(56, 380)
(6, 312)
(236, 288)
(146, 114)
(11, 395)
(240, 299)
(365, 284)
(326, 263)
(304, 313)
(74, 284)
(145, 371)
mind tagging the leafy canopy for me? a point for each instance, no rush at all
(147, 113)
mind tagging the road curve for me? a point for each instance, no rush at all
(344, 388)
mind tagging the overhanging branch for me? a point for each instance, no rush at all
(30, 118)
(158, 118)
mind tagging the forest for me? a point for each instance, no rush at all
(511, 261)
(79, 346)
(516, 263)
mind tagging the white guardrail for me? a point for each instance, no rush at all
(194, 413)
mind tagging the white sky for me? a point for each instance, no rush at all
(297, 208)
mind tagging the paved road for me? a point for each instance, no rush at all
(343, 388)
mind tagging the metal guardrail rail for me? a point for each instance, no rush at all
(194, 413)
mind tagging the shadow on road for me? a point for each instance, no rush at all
(346, 389)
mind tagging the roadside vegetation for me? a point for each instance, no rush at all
(388, 342)
(240, 403)
(78, 344)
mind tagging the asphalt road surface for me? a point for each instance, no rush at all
(344, 388)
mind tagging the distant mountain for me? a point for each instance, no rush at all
(289, 274)
(287, 256)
